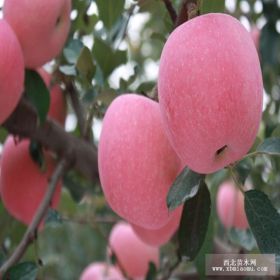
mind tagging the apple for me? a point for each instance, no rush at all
(22, 183)
(230, 206)
(101, 271)
(137, 165)
(161, 236)
(132, 253)
(210, 91)
(58, 107)
(255, 34)
(11, 71)
(41, 26)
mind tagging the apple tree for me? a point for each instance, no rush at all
(137, 136)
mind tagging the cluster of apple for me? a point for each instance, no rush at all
(133, 256)
(210, 104)
(31, 33)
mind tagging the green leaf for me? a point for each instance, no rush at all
(37, 155)
(110, 11)
(38, 93)
(209, 6)
(184, 187)
(152, 272)
(85, 65)
(72, 51)
(74, 186)
(69, 70)
(22, 271)
(53, 217)
(194, 223)
(264, 221)
(243, 169)
(207, 248)
(243, 238)
(270, 146)
(107, 58)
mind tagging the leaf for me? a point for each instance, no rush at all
(72, 51)
(264, 221)
(69, 70)
(110, 11)
(207, 248)
(243, 169)
(85, 65)
(152, 272)
(209, 6)
(194, 223)
(37, 92)
(53, 217)
(107, 58)
(74, 186)
(184, 187)
(243, 238)
(37, 155)
(270, 146)
(22, 271)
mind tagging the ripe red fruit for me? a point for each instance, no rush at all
(230, 206)
(132, 253)
(136, 162)
(11, 71)
(210, 91)
(101, 271)
(158, 237)
(22, 183)
(58, 107)
(41, 27)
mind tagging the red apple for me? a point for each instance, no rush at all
(132, 253)
(255, 33)
(41, 26)
(158, 237)
(58, 107)
(230, 206)
(136, 162)
(11, 71)
(210, 91)
(22, 183)
(101, 271)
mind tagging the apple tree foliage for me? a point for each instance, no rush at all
(100, 46)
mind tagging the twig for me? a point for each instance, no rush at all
(76, 104)
(171, 10)
(189, 9)
(233, 176)
(31, 231)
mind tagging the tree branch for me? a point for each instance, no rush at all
(30, 233)
(171, 10)
(82, 155)
(189, 9)
(78, 109)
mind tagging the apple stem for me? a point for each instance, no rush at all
(236, 181)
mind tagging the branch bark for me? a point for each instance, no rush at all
(189, 9)
(171, 10)
(30, 233)
(82, 155)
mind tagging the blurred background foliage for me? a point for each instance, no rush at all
(114, 47)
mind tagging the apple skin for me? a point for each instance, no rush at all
(41, 26)
(161, 236)
(101, 271)
(133, 254)
(210, 91)
(22, 183)
(230, 206)
(11, 71)
(136, 163)
(255, 33)
(58, 106)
